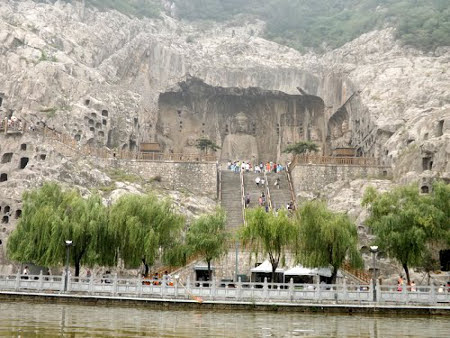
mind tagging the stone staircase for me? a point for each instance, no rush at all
(231, 199)
(251, 188)
(282, 196)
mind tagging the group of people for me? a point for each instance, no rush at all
(269, 167)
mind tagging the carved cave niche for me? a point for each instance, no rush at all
(6, 158)
(42, 157)
(5, 219)
(424, 189)
(104, 113)
(440, 128)
(23, 146)
(338, 126)
(3, 177)
(132, 145)
(364, 250)
(87, 102)
(7, 209)
(98, 125)
(23, 162)
(18, 213)
(427, 163)
(104, 122)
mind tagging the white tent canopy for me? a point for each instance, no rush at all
(326, 272)
(266, 267)
(299, 270)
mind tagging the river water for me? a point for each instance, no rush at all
(20, 319)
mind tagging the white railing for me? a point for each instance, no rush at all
(112, 286)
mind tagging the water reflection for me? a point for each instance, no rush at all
(23, 319)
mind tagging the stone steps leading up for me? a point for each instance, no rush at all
(231, 198)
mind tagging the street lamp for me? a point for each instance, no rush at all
(66, 277)
(374, 250)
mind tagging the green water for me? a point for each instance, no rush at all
(20, 319)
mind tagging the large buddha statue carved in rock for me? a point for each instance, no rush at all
(240, 145)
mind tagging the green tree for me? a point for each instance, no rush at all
(145, 229)
(208, 237)
(204, 144)
(270, 233)
(407, 224)
(326, 238)
(301, 147)
(50, 217)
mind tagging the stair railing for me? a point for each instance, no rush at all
(241, 173)
(266, 182)
(219, 184)
(291, 184)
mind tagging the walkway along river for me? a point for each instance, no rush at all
(229, 293)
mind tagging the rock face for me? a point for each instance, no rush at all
(249, 124)
(108, 80)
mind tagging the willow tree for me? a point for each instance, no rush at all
(208, 237)
(268, 233)
(50, 217)
(144, 229)
(326, 238)
(408, 224)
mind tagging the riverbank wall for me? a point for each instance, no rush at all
(216, 305)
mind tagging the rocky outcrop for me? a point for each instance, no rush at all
(97, 77)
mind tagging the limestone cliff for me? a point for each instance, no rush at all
(97, 76)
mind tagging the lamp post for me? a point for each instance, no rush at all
(66, 277)
(374, 250)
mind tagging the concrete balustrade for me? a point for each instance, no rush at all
(115, 287)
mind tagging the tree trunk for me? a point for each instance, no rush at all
(274, 268)
(77, 268)
(334, 275)
(405, 267)
(209, 270)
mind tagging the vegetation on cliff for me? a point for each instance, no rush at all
(424, 24)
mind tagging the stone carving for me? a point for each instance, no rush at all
(239, 145)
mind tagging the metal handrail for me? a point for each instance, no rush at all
(241, 173)
(269, 198)
(291, 185)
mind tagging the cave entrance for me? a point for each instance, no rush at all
(424, 189)
(3, 177)
(440, 130)
(132, 145)
(427, 163)
(5, 219)
(7, 157)
(24, 162)
(444, 259)
(18, 213)
(7, 209)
